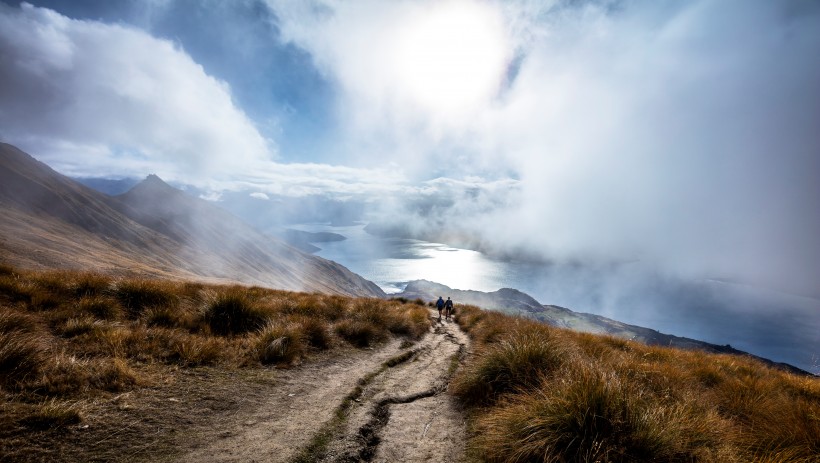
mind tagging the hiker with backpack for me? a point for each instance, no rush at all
(440, 306)
(449, 306)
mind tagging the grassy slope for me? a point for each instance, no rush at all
(70, 341)
(538, 393)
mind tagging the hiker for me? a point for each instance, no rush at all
(449, 306)
(440, 306)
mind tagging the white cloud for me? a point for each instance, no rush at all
(259, 195)
(680, 134)
(413, 77)
(94, 99)
(75, 87)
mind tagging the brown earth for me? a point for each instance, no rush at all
(393, 413)
(405, 413)
(387, 403)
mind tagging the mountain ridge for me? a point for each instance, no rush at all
(50, 220)
(513, 301)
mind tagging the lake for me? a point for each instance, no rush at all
(778, 326)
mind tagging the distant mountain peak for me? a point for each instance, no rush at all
(153, 180)
(152, 186)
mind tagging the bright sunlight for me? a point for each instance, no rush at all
(453, 58)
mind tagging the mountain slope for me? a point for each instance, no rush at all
(49, 220)
(515, 302)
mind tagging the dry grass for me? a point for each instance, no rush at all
(68, 338)
(538, 393)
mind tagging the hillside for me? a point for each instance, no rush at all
(514, 302)
(539, 393)
(94, 367)
(51, 221)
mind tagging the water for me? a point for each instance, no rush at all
(392, 262)
(774, 325)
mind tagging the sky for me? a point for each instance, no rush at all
(681, 134)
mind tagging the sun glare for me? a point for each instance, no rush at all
(452, 58)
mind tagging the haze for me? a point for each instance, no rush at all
(683, 135)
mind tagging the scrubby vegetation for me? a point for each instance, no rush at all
(68, 337)
(538, 393)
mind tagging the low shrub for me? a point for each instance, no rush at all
(412, 321)
(545, 394)
(113, 375)
(7, 270)
(164, 316)
(13, 289)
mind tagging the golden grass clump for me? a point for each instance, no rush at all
(137, 295)
(516, 362)
(53, 413)
(316, 331)
(538, 393)
(22, 355)
(280, 342)
(234, 311)
(594, 415)
(101, 307)
(359, 333)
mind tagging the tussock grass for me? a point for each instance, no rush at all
(538, 393)
(137, 295)
(53, 413)
(316, 332)
(517, 361)
(104, 308)
(233, 311)
(281, 343)
(21, 356)
(360, 333)
(73, 337)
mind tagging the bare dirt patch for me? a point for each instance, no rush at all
(289, 414)
(404, 413)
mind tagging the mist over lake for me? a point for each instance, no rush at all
(776, 325)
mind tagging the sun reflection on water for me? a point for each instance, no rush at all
(391, 263)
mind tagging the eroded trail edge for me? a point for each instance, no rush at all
(401, 412)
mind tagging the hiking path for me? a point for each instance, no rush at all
(383, 404)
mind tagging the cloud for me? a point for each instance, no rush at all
(412, 78)
(683, 135)
(88, 96)
(94, 99)
(259, 195)
(680, 135)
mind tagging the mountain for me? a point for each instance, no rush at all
(51, 221)
(303, 240)
(516, 302)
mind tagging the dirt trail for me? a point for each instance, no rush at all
(400, 412)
